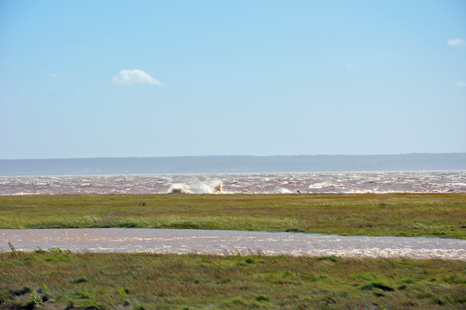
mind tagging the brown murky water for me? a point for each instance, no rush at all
(221, 242)
(248, 183)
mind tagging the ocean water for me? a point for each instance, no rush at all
(247, 183)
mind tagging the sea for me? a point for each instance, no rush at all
(246, 183)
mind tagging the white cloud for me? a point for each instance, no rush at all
(127, 77)
(461, 84)
(53, 75)
(350, 66)
(455, 42)
(14, 67)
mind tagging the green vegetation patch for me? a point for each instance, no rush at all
(433, 215)
(32, 280)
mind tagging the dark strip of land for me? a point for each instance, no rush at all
(233, 164)
(431, 215)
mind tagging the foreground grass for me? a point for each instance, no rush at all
(62, 280)
(436, 215)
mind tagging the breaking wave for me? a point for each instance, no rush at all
(212, 187)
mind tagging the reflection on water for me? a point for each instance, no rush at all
(249, 183)
(220, 242)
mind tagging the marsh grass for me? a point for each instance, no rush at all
(209, 222)
(196, 281)
(435, 215)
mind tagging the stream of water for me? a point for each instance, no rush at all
(219, 242)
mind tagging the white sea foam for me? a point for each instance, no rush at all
(179, 188)
(196, 187)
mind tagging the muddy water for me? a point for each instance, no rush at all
(248, 183)
(220, 242)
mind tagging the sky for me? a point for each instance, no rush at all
(83, 79)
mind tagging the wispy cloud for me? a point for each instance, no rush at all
(9, 100)
(60, 76)
(460, 84)
(127, 77)
(350, 67)
(455, 42)
(14, 67)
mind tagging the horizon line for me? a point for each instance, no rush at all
(185, 156)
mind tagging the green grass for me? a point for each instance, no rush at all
(436, 215)
(56, 280)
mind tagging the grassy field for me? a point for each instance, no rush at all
(59, 280)
(56, 279)
(437, 215)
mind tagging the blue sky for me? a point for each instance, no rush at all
(179, 78)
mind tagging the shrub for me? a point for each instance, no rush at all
(262, 298)
(39, 251)
(55, 250)
(35, 299)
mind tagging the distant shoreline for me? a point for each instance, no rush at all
(224, 173)
(233, 164)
